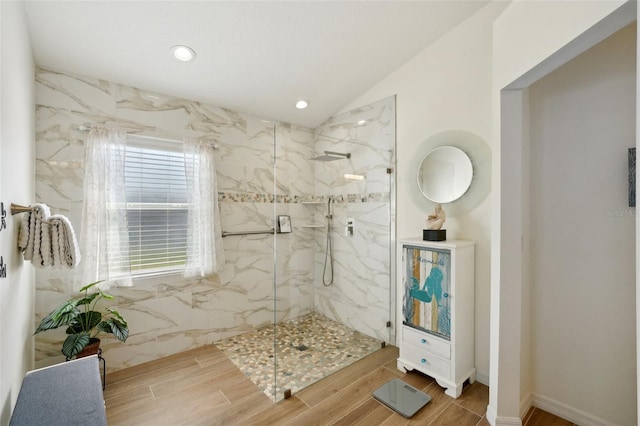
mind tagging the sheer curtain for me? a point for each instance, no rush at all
(104, 240)
(205, 254)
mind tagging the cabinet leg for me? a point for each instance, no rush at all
(454, 391)
(400, 365)
(450, 388)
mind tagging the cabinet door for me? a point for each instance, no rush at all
(427, 283)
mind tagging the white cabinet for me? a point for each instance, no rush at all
(436, 310)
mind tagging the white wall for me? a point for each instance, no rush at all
(531, 39)
(531, 32)
(446, 87)
(456, 84)
(17, 177)
(582, 232)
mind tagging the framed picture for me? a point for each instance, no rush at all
(284, 224)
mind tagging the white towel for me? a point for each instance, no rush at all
(63, 242)
(37, 233)
(23, 237)
(45, 251)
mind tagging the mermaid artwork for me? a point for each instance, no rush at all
(427, 306)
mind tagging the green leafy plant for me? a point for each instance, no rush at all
(83, 321)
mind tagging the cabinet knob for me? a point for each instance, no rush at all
(423, 361)
(446, 294)
(423, 340)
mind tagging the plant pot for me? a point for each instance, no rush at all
(90, 349)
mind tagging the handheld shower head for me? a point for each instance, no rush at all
(332, 156)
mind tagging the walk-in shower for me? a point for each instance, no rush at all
(326, 285)
(271, 284)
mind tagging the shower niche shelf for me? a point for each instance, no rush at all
(313, 223)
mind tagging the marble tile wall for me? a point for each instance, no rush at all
(360, 294)
(170, 314)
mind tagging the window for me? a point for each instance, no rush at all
(150, 207)
(157, 208)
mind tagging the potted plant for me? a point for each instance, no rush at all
(84, 321)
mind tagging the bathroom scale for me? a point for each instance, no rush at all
(401, 397)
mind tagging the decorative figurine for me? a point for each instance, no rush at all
(436, 220)
(434, 225)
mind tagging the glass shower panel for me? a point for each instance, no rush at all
(332, 284)
(244, 297)
(293, 282)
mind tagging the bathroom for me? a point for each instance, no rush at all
(171, 314)
(453, 84)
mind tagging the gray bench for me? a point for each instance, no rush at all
(64, 394)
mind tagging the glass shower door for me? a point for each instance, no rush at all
(332, 281)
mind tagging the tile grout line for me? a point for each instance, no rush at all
(358, 406)
(469, 410)
(431, 423)
(434, 383)
(528, 415)
(225, 396)
(303, 401)
(480, 421)
(395, 371)
(345, 387)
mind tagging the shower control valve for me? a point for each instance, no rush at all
(348, 230)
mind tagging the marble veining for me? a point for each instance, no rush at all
(170, 314)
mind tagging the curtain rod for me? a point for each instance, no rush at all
(87, 128)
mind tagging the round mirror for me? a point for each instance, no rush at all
(445, 174)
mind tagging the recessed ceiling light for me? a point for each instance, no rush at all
(183, 53)
(302, 104)
(362, 122)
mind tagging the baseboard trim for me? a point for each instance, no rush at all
(567, 412)
(491, 415)
(525, 405)
(508, 421)
(482, 377)
(501, 421)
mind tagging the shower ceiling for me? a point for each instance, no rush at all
(256, 57)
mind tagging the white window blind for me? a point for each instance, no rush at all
(156, 206)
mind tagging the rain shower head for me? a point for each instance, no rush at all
(332, 156)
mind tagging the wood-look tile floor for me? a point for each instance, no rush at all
(203, 387)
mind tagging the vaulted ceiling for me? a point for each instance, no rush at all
(256, 57)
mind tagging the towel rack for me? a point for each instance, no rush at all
(17, 209)
(226, 234)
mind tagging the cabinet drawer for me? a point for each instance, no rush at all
(427, 342)
(426, 362)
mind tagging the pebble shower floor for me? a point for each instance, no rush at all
(309, 348)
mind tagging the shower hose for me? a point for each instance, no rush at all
(328, 254)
